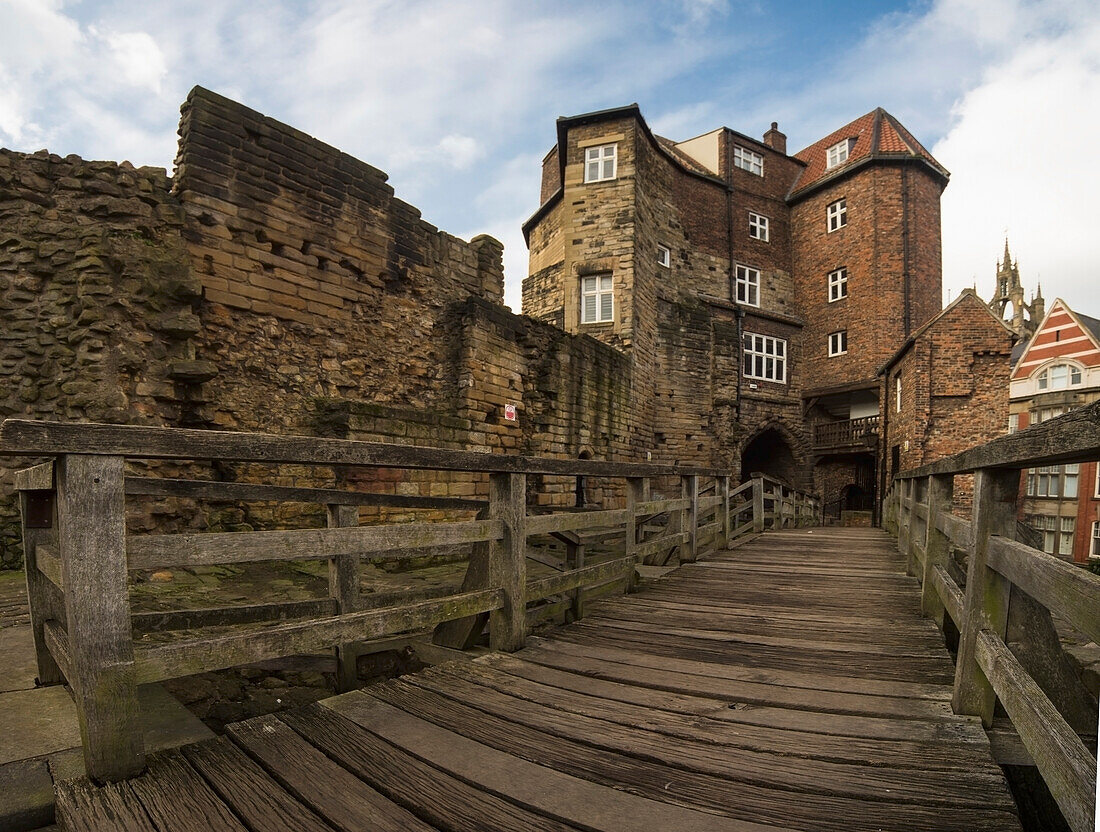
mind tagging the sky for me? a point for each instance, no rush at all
(456, 99)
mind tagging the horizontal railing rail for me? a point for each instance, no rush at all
(79, 552)
(1009, 585)
(859, 431)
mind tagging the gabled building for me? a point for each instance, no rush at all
(1058, 370)
(756, 292)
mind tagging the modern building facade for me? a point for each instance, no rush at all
(757, 293)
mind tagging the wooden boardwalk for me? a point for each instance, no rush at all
(788, 684)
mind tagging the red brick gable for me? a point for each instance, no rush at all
(876, 134)
(1060, 335)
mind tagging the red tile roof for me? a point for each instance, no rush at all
(877, 134)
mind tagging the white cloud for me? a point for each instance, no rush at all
(460, 151)
(138, 57)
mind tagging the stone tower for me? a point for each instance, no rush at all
(1009, 291)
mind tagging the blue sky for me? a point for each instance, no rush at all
(456, 99)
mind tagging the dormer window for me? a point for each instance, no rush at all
(747, 160)
(1059, 377)
(599, 162)
(838, 153)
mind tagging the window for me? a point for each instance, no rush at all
(838, 284)
(758, 227)
(838, 153)
(1059, 377)
(1053, 481)
(1094, 552)
(599, 163)
(597, 304)
(838, 342)
(748, 285)
(897, 393)
(1048, 413)
(1065, 536)
(838, 215)
(664, 257)
(765, 358)
(747, 160)
(1069, 480)
(1013, 422)
(1096, 493)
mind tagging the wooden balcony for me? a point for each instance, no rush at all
(848, 434)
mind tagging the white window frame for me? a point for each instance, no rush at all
(664, 256)
(1013, 422)
(748, 160)
(764, 357)
(1045, 380)
(601, 163)
(837, 215)
(1094, 552)
(838, 154)
(838, 284)
(897, 393)
(747, 285)
(838, 343)
(598, 286)
(1066, 530)
(759, 227)
(1096, 491)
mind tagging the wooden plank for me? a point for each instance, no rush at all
(343, 588)
(575, 521)
(253, 795)
(1067, 767)
(48, 562)
(383, 541)
(440, 798)
(170, 661)
(949, 592)
(937, 545)
(987, 592)
(508, 561)
(254, 492)
(42, 568)
(957, 529)
(1066, 590)
(177, 799)
(324, 786)
(193, 619)
(689, 519)
(82, 807)
(654, 507)
(20, 437)
(555, 584)
(38, 478)
(659, 544)
(91, 540)
(757, 505)
(57, 642)
(538, 788)
(708, 503)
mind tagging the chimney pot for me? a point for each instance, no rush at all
(774, 139)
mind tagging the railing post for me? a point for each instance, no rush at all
(905, 521)
(92, 543)
(635, 493)
(38, 511)
(343, 586)
(987, 593)
(508, 561)
(724, 512)
(937, 545)
(689, 490)
(758, 505)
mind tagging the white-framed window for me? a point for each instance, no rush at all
(1059, 377)
(838, 284)
(1096, 493)
(758, 227)
(837, 214)
(1045, 413)
(748, 160)
(664, 257)
(1094, 551)
(1053, 481)
(600, 162)
(838, 342)
(897, 393)
(1070, 473)
(597, 299)
(765, 357)
(1065, 535)
(1013, 422)
(747, 280)
(838, 153)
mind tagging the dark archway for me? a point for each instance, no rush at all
(770, 453)
(854, 497)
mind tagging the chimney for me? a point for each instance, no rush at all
(776, 140)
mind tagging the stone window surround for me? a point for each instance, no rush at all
(838, 284)
(748, 160)
(759, 227)
(837, 215)
(758, 350)
(747, 285)
(597, 287)
(838, 343)
(596, 161)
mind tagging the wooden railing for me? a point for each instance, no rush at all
(850, 432)
(1009, 586)
(78, 553)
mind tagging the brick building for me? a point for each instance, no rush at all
(757, 293)
(1058, 370)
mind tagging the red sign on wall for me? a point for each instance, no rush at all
(509, 413)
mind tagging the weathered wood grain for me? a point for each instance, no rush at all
(38, 478)
(574, 521)
(57, 643)
(383, 541)
(343, 588)
(937, 546)
(566, 581)
(42, 568)
(82, 807)
(508, 561)
(177, 799)
(192, 619)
